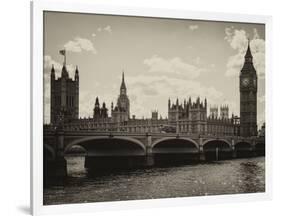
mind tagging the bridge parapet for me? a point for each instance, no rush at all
(147, 139)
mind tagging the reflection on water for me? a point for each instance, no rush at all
(222, 177)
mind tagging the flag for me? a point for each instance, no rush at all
(62, 52)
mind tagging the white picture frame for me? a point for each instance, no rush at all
(37, 9)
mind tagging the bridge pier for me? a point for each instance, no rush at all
(234, 153)
(149, 160)
(55, 170)
(202, 156)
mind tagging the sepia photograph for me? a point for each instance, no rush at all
(139, 108)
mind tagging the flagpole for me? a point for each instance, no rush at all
(64, 57)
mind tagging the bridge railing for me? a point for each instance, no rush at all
(51, 130)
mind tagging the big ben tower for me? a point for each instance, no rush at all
(248, 97)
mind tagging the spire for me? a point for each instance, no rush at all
(169, 103)
(76, 73)
(53, 72)
(248, 54)
(53, 69)
(123, 85)
(64, 72)
(103, 105)
(248, 66)
(97, 102)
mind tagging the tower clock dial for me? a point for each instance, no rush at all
(245, 82)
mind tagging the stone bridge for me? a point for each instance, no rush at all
(106, 144)
(118, 149)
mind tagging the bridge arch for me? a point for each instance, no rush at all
(260, 148)
(213, 149)
(243, 149)
(242, 143)
(174, 138)
(89, 142)
(222, 141)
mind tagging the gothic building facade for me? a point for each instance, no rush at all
(189, 117)
(64, 96)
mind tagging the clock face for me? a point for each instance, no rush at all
(245, 82)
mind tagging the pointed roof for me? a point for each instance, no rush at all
(64, 72)
(53, 69)
(53, 75)
(97, 101)
(248, 63)
(123, 85)
(248, 52)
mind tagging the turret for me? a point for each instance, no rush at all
(97, 109)
(76, 73)
(205, 103)
(198, 101)
(169, 103)
(103, 111)
(53, 73)
(97, 104)
(64, 73)
(224, 112)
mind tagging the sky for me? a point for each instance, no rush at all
(161, 59)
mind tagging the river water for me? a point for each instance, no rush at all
(212, 178)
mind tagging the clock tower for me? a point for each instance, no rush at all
(248, 97)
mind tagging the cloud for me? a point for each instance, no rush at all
(172, 67)
(99, 30)
(79, 44)
(193, 27)
(108, 29)
(238, 40)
